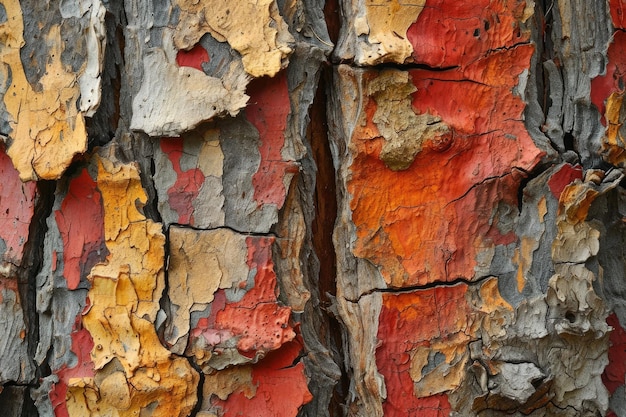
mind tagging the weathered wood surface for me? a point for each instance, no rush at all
(281, 208)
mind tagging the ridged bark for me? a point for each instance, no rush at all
(296, 208)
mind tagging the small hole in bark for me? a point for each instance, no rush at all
(568, 142)
(570, 316)
(477, 32)
(537, 382)
(487, 25)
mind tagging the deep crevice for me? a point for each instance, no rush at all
(200, 387)
(200, 229)
(422, 287)
(322, 227)
(568, 141)
(409, 66)
(31, 266)
(528, 177)
(102, 126)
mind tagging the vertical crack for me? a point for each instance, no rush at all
(325, 203)
(27, 282)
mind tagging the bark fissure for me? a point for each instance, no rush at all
(432, 285)
(312, 208)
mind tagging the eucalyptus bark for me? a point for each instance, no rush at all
(297, 208)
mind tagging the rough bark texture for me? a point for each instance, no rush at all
(296, 208)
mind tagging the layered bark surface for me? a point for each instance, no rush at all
(281, 208)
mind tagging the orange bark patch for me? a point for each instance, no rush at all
(268, 110)
(430, 222)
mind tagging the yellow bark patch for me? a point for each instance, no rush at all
(47, 128)
(255, 29)
(133, 369)
(447, 373)
(614, 143)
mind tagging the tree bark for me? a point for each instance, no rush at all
(298, 208)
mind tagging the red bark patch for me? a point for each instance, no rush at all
(257, 321)
(449, 33)
(615, 372)
(17, 204)
(281, 387)
(188, 183)
(81, 225)
(408, 321)
(615, 77)
(193, 58)
(563, 177)
(268, 109)
(9, 285)
(618, 9)
(82, 344)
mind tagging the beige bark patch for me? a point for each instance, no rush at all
(225, 382)
(201, 262)
(405, 132)
(388, 22)
(173, 99)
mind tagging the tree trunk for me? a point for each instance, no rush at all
(290, 207)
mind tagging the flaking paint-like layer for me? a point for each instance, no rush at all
(17, 204)
(451, 33)
(385, 24)
(133, 370)
(607, 93)
(47, 129)
(255, 29)
(243, 320)
(174, 99)
(17, 366)
(430, 221)
(268, 110)
(254, 392)
(75, 376)
(424, 339)
(201, 262)
(189, 179)
(80, 221)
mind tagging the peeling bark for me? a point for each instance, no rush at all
(210, 209)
